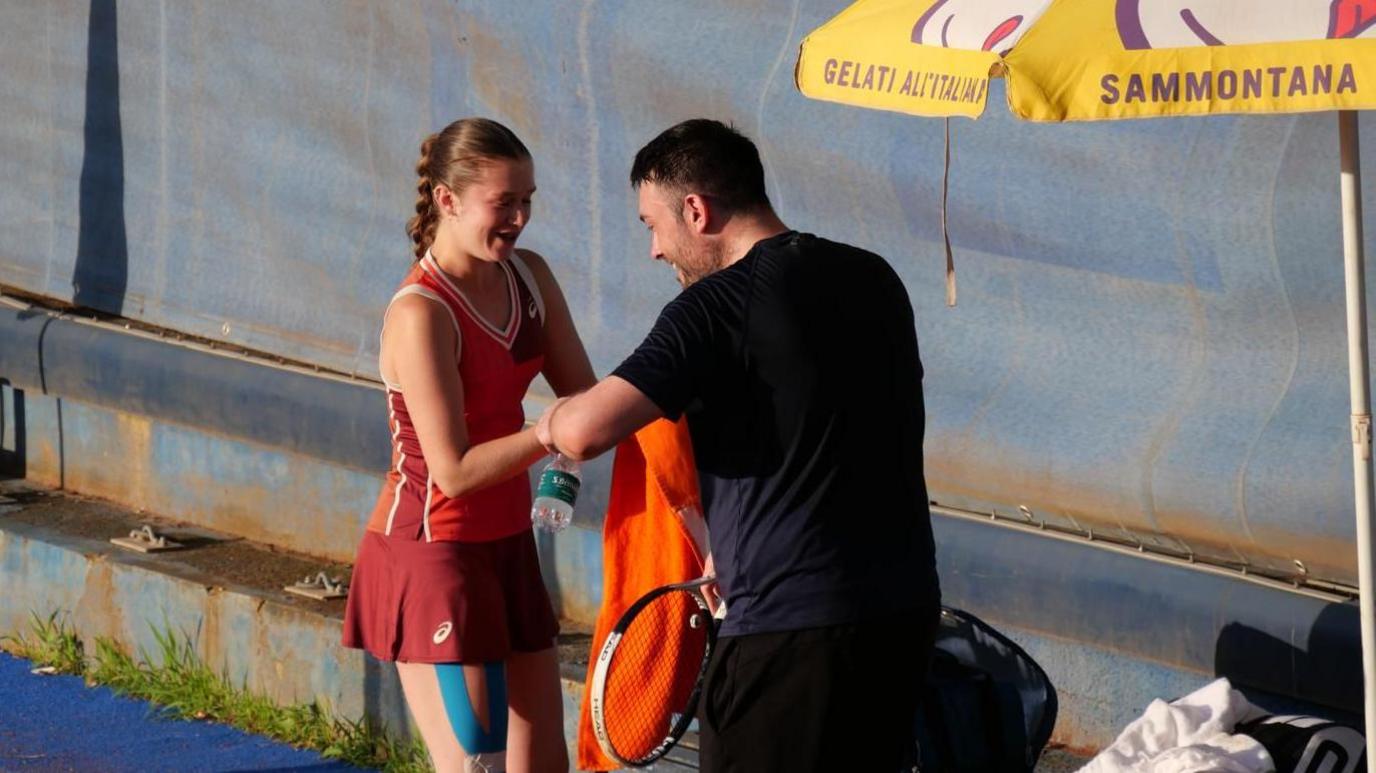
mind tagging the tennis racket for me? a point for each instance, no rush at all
(649, 673)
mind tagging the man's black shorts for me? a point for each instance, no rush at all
(824, 699)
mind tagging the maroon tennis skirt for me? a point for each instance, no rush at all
(448, 602)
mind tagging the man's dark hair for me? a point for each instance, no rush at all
(708, 158)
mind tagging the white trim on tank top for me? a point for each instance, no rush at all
(401, 466)
(504, 336)
(424, 292)
(528, 279)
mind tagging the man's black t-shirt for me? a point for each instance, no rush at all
(797, 367)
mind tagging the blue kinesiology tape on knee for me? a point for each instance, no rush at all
(458, 706)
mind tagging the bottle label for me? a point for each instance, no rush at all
(559, 485)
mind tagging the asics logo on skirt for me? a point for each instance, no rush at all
(442, 632)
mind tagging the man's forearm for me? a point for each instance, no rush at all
(591, 423)
(572, 433)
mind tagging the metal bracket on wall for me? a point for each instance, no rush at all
(1302, 574)
(145, 540)
(320, 587)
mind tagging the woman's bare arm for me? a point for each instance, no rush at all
(418, 348)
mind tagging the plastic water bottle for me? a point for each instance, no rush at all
(555, 495)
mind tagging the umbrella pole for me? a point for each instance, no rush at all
(1360, 388)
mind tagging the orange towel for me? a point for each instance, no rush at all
(653, 535)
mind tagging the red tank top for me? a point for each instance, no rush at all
(496, 366)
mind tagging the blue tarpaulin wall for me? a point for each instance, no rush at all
(1149, 341)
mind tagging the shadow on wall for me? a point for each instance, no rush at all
(102, 253)
(20, 435)
(1274, 673)
(13, 455)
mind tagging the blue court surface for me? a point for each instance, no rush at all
(56, 723)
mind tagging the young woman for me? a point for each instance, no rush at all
(447, 582)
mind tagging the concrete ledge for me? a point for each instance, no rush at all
(284, 649)
(269, 641)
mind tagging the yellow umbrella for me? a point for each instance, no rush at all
(1077, 60)
(1085, 60)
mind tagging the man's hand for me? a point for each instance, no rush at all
(711, 591)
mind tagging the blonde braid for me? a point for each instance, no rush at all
(421, 228)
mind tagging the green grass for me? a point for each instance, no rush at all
(178, 680)
(53, 644)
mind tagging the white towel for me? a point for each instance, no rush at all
(1191, 735)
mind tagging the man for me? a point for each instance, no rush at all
(796, 362)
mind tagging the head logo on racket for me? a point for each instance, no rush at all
(649, 673)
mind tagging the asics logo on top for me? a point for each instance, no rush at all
(443, 632)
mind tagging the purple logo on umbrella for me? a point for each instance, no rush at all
(1182, 23)
(980, 25)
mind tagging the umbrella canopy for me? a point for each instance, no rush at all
(1082, 60)
(1076, 60)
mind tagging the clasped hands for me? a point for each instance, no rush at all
(543, 428)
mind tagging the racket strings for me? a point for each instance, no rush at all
(653, 671)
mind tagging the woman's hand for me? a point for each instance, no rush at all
(542, 427)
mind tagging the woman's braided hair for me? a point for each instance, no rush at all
(455, 158)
